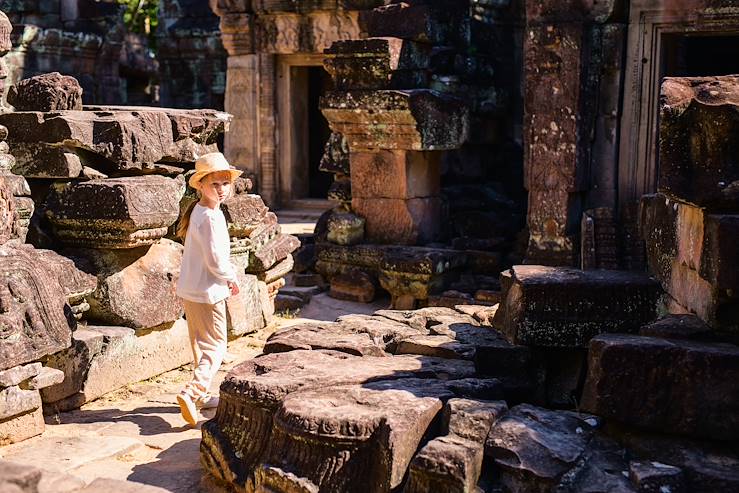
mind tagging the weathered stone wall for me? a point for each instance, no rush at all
(192, 60)
(85, 39)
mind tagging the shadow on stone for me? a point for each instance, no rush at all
(176, 468)
(144, 417)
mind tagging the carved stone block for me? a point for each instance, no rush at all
(416, 119)
(118, 139)
(114, 213)
(32, 309)
(46, 92)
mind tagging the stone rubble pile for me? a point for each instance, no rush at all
(437, 399)
(109, 186)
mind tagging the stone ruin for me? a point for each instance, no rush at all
(577, 381)
(90, 199)
(413, 101)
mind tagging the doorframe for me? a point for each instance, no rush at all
(292, 124)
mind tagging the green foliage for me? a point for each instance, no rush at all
(141, 16)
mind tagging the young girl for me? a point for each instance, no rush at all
(207, 278)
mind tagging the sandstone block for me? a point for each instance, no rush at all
(692, 253)
(45, 161)
(353, 286)
(331, 336)
(136, 287)
(345, 228)
(46, 378)
(551, 306)
(33, 301)
(277, 271)
(335, 157)
(678, 327)
(395, 174)
(655, 477)
(399, 221)
(19, 428)
(14, 376)
(46, 92)
(535, 447)
(244, 311)
(275, 250)
(378, 63)
(244, 213)
(114, 213)
(697, 139)
(674, 386)
(121, 139)
(15, 401)
(414, 119)
(107, 358)
(448, 463)
(244, 433)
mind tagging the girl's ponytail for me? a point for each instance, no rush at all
(185, 220)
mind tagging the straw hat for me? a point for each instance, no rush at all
(209, 163)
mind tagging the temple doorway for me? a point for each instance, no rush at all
(302, 132)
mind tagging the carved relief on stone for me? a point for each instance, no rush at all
(7, 214)
(327, 27)
(114, 213)
(32, 309)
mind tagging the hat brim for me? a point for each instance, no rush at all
(197, 177)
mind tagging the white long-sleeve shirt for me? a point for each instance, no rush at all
(206, 266)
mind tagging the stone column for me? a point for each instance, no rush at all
(242, 82)
(562, 63)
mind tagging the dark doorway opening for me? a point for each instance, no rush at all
(698, 55)
(319, 182)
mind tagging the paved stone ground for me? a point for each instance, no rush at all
(137, 433)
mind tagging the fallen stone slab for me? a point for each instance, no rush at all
(244, 313)
(447, 463)
(136, 286)
(275, 250)
(559, 306)
(46, 161)
(18, 374)
(455, 340)
(454, 461)
(692, 254)
(324, 336)
(685, 326)
(46, 378)
(117, 140)
(602, 466)
(114, 213)
(244, 213)
(653, 476)
(235, 442)
(389, 332)
(535, 447)
(103, 359)
(46, 92)
(34, 320)
(674, 386)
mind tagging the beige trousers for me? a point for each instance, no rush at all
(207, 327)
